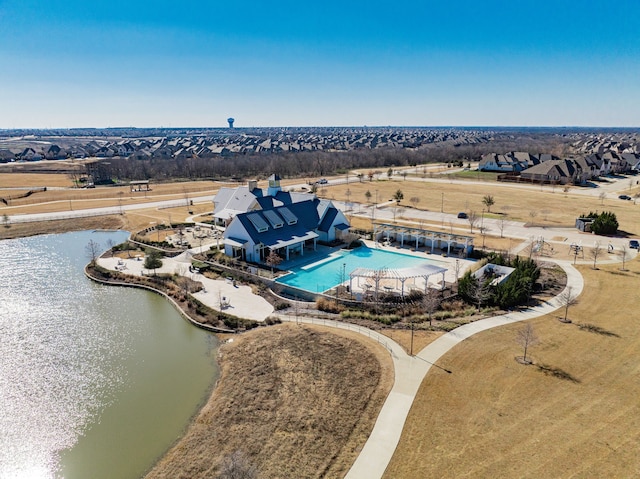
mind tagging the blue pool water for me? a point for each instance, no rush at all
(328, 272)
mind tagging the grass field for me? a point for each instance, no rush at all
(542, 208)
(573, 413)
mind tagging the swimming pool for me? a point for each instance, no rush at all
(328, 272)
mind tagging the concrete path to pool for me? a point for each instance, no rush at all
(411, 371)
(221, 295)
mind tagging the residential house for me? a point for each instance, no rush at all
(6, 155)
(560, 172)
(54, 152)
(29, 154)
(513, 161)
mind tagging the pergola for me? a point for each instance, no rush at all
(410, 234)
(378, 275)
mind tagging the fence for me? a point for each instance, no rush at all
(381, 339)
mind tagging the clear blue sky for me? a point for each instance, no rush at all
(98, 63)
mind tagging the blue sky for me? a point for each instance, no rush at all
(67, 63)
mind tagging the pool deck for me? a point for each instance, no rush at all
(221, 295)
(359, 285)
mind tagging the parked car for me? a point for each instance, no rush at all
(322, 181)
(624, 197)
(634, 244)
(462, 215)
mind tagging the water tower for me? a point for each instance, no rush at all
(231, 120)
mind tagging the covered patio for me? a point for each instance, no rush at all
(294, 245)
(415, 237)
(374, 279)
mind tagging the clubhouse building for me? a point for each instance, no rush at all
(258, 222)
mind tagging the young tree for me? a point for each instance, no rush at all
(501, 225)
(367, 195)
(93, 251)
(6, 221)
(595, 252)
(371, 174)
(602, 196)
(152, 260)
(398, 196)
(273, 259)
(624, 255)
(431, 302)
(389, 173)
(566, 299)
(414, 200)
(526, 337)
(488, 201)
(472, 218)
(111, 244)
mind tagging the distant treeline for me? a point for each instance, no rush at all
(321, 163)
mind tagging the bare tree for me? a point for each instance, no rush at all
(602, 196)
(545, 214)
(532, 215)
(472, 218)
(238, 466)
(526, 337)
(595, 252)
(431, 302)
(93, 251)
(111, 244)
(273, 259)
(456, 269)
(566, 299)
(414, 200)
(624, 254)
(6, 221)
(501, 225)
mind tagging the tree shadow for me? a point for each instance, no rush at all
(557, 373)
(592, 328)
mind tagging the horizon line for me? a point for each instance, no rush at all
(312, 126)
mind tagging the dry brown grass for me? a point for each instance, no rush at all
(34, 180)
(19, 230)
(551, 208)
(573, 413)
(80, 198)
(299, 401)
(421, 338)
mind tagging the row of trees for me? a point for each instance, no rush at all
(320, 163)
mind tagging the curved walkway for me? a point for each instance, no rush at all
(410, 372)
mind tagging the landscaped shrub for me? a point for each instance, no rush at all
(605, 224)
(329, 306)
(280, 305)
